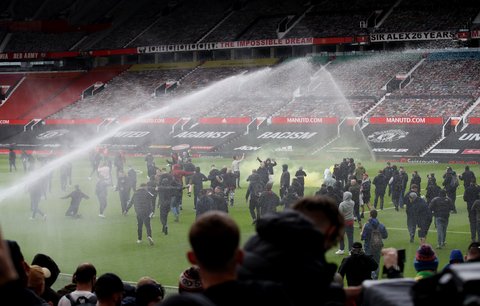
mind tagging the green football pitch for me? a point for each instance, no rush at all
(110, 243)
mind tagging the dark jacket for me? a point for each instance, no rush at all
(76, 197)
(285, 179)
(380, 182)
(142, 202)
(204, 204)
(288, 249)
(441, 207)
(268, 202)
(357, 267)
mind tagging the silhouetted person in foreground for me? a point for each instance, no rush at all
(289, 248)
(214, 239)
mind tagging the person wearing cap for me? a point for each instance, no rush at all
(456, 257)
(425, 262)
(36, 279)
(358, 266)
(46, 261)
(189, 280)
(76, 197)
(84, 279)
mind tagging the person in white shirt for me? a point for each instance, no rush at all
(236, 168)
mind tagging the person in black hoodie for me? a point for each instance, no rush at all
(268, 201)
(289, 248)
(196, 182)
(284, 181)
(380, 182)
(214, 239)
(358, 266)
(142, 201)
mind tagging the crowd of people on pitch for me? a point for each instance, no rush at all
(229, 274)
(283, 263)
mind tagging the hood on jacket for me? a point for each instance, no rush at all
(284, 167)
(374, 222)
(290, 229)
(347, 196)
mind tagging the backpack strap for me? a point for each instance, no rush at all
(70, 298)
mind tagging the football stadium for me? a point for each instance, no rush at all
(338, 141)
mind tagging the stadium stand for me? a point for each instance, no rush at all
(441, 15)
(44, 85)
(199, 16)
(422, 107)
(255, 20)
(73, 92)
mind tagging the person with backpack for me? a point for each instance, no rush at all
(451, 183)
(373, 234)
(84, 278)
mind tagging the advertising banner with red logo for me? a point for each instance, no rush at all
(475, 120)
(471, 151)
(475, 34)
(304, 120)
(406, 120)
(14, 121)
(219, 120)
